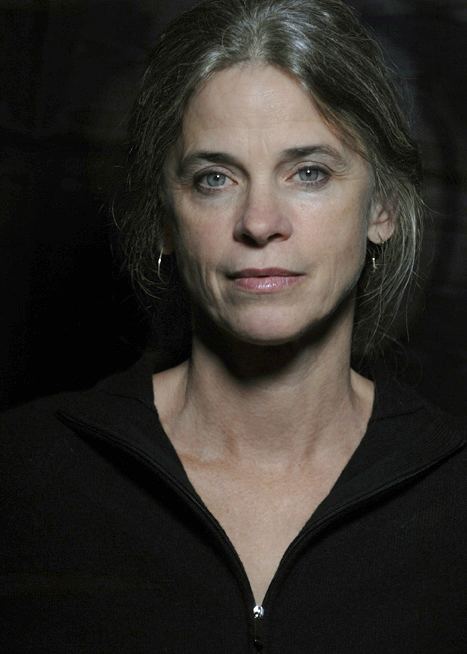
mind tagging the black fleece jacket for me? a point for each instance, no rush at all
(106, 546)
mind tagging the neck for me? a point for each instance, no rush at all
(274, 404)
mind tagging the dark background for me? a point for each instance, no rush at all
(70, 70)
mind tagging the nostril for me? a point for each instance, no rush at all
(262, 221)
(249, 240)
(259, 240)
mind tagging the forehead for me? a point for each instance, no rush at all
(254, 101)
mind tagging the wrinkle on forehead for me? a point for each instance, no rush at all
(277, 105)
(254, 105)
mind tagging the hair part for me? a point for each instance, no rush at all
(324, 46)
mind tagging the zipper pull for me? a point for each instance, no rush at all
(258, 614)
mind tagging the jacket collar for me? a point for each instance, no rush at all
(404, 438)
(120, 410)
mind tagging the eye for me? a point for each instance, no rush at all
(211, 181)
(312, 174)
(215, 179)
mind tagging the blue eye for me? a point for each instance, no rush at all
(310, 174)
(214, 180)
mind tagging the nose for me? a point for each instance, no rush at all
(262, 219)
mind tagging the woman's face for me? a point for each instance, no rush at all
(271, 211)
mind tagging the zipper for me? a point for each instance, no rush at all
(256, 612)
(258, 615)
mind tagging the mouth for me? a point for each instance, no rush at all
(265, 280)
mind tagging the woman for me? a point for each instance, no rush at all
(259, 495)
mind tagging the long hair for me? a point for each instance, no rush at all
(325, 47)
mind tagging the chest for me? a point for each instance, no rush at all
(261, 515)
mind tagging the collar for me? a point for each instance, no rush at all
(405, 436)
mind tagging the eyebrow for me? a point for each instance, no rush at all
(191, 160)
(290, 154)
(309, 150)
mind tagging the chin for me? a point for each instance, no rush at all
(274, 328)
(268, 333)
(267, 340)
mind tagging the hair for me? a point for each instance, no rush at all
(325, 47)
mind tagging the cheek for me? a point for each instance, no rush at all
(339, 235)
(197, 251)
(187, 235)
(189, 252)
(202, 234)
(338, 240)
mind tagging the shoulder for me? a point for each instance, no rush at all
(40, 416)
(394, 398)
(35, 413)
(30, 437)
(37, 418)
(404, 419)
(33, 435)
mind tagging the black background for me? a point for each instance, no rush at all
(70, 70)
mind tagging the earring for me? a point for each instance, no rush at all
(374, 265)
(159, 262)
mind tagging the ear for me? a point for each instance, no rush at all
(381, 223)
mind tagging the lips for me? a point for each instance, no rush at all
(265, 280)
(264, 272)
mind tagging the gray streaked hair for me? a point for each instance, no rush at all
(325, 47)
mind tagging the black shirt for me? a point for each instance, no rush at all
(106, 546)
